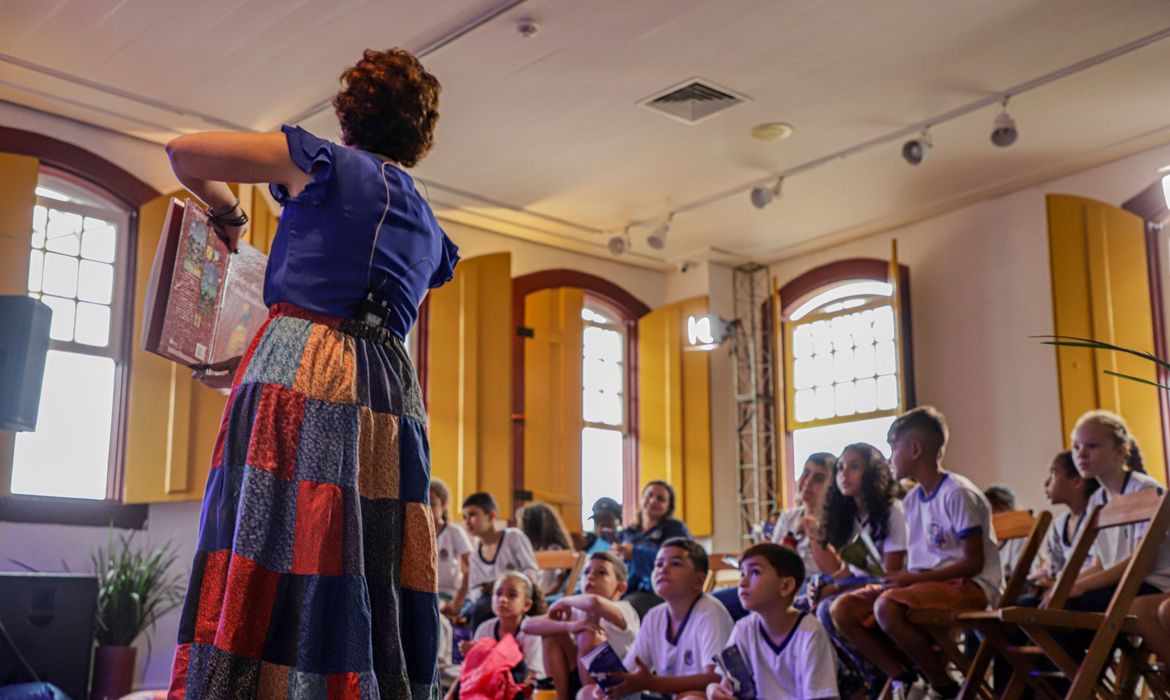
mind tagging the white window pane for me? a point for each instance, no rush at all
(863, 328)
(598, 375)
(805, 408)
(68, 454)
(822, 337)
(61, 327)
(93, 324)
(60, 275)
(36, 266)
(844, 399)
(602, 343)
(588, 314)
(802, 341)
(602, 407)
(887, 392)
(883, 323)
(843, 366)
(842, 335)
(863, 362)
(802, 373)
(823, 369)
(64, 232)
(826, 402)
(885, 358)
(40, 219)
(97, 243)
(865, 395)
(95, 282)
(602, 461)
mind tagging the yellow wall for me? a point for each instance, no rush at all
(674, 410)
(1100, 290)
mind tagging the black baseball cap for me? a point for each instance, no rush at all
(606, 506)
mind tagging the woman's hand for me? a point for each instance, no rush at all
(218, 375)
(230, 235)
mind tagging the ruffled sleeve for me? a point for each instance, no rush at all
(445, 270)
(312, 155)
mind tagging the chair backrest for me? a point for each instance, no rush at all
(1015, 525)
(559, 560)
(723, 571)
(1149, 505)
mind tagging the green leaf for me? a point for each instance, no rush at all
(1136, 379)
(1078, 342)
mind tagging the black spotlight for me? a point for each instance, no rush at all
(1004, 132)
(914, 150)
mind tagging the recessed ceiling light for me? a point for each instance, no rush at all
(772, 131)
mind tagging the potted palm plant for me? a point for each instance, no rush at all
(135, 589)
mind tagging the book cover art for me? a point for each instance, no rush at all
(863, 554)
(602, 661)
(203, 303)
(735, 668)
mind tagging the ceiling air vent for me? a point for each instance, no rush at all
(693, 101)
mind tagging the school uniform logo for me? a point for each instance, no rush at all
(937, 536)
(443, 554)
(688, 658)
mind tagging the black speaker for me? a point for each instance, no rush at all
(24, 342)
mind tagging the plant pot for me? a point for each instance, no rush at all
(113, 672)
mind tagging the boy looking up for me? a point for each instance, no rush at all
(787, 651)
(499, 551)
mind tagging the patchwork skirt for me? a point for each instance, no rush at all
(315, 571)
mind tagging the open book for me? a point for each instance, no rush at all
(601, 661)
(203, 303)
(862, 553)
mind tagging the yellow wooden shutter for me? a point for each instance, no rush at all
(470, 380)
(1100, 290)
(173, 420)
(18, 184)
(262, 218)
(674, 411)
(552, 399)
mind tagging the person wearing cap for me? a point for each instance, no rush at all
(607, 523)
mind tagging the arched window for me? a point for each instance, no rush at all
(848, 371)
(78, 266)
(605, 411)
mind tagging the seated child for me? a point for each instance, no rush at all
(514, 597)
(1104, 449)
(798, 527)
(860, 498)
(787, 651)
(953, 562)
(498, 551)
(454, 547)
(1064, 486)
(545, 529)
(674, 651)
(1002, 499)
(575, 625)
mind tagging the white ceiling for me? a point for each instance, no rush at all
(542, 137)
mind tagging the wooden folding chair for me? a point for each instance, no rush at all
(1007, 526)
(1087, 676)
(723, 570)
(561, 560)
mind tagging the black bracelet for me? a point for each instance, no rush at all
(213, 214)
(223, 220)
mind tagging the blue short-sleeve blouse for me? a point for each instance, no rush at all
(320, 259)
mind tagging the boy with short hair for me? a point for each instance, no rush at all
(498, 551)
(679, 639)
(575, 625)
(787, 651)
(953, 562)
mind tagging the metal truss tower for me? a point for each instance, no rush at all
(754, 386)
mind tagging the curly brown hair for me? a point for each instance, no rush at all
(388, 105)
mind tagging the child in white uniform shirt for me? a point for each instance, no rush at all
(577, 624)
(454, 548)
(1064, 486)
(798, 527)
(499, 551)
(678, 640)
(787, 651)
(1104, 449)
(953, 561)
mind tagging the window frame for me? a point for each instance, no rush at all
(72, 162)
(629, 309)
(802, 288)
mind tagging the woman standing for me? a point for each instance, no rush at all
(640, 542)
(316, 555)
